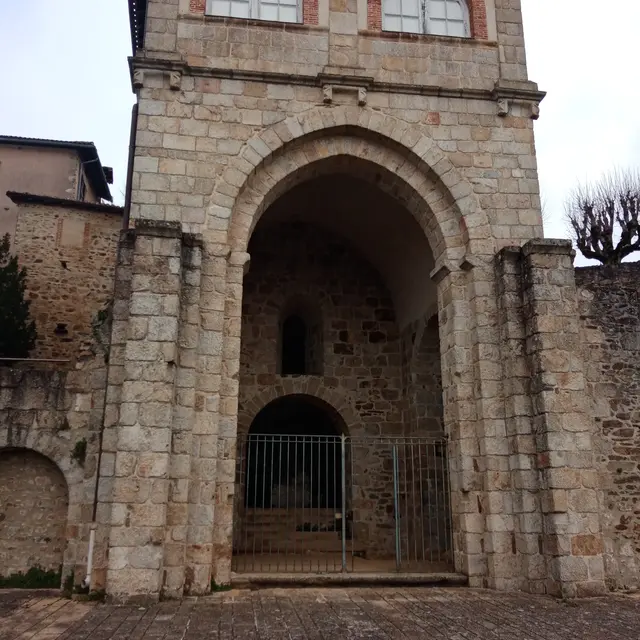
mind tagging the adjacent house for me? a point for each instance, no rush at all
(56, 168)
(55, 203)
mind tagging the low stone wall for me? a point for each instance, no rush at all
(49, 426)
(609, 301)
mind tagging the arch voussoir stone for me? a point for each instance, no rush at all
(274, 160)
(297, 386)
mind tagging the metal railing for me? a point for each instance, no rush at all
(333, 503)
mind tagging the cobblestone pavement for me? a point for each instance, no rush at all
(301, 614)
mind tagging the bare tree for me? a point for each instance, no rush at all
(605, 217)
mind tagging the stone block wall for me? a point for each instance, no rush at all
(609, 302)
(49, 442)
(70, 255)
(33, 512)
(362, 359)
(335, 34)
(362, 352)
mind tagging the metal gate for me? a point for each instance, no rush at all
(314, 504)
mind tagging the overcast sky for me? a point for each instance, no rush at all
(65, 76)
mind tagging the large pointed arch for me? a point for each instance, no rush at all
(396, 156)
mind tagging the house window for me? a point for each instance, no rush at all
(274, 10)
(437, 17)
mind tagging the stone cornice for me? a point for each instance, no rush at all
(525, 92)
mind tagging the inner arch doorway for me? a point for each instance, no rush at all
(293, 456)
(291, 506)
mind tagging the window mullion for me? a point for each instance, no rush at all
(254, 9)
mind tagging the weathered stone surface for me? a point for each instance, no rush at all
(609, 305)
(351, 613)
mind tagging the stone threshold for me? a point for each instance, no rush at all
(253, 580)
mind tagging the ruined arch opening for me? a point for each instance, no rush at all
(293, 455)
(34, 501)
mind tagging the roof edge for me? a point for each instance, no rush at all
(32, 198)
(87, 152)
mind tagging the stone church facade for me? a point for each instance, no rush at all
(379, 189)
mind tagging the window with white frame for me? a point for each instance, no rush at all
(275, 10)
(438, 17)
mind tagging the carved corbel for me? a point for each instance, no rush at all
(138, 79)
(362, 96)
(175, 80)
(503, 107)
(535, 110)
(327, 94)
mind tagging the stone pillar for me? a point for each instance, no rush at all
(495, 502)
(572, 538)
(176, 578)
(203, 523)
(237, 266)
(115, 376)
(460, 424)
(143, 428)
(523, 480)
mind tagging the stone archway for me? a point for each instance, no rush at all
(307, 386)
(34, 500)
(403, 163)
(290, 495)
(273, 155)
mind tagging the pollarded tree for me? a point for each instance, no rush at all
(605, 217)
(17, 330)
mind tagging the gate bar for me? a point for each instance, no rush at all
(344, 501)
(396, 506)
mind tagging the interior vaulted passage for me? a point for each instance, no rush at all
(338, 309)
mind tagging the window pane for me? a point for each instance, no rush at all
(239, 9)
(392, 6)
(457, 29)
(289, 14)
(411, 8)
(411, 25)
(392, 23)
(221, 8)
(438, 27)
(268, 11)
(454, 10)
(437, 9)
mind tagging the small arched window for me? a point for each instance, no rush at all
(437, 17)
(294, 346)
(300, 350)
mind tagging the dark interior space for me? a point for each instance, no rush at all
(293, 456)
(294, 346)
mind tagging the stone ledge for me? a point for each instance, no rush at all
(249, 580)
(548, 245)
(158, 228)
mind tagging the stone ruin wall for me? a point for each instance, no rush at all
(70, 256)
(609, 300)
(47, 417)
